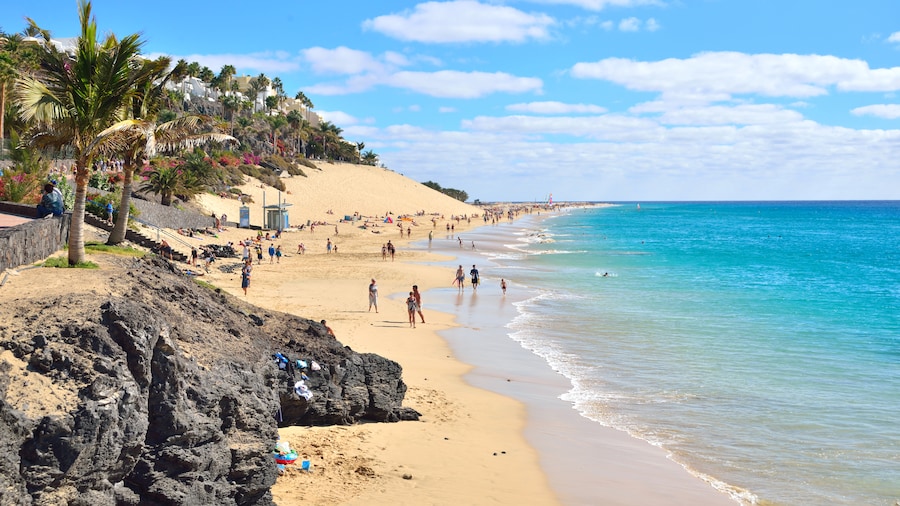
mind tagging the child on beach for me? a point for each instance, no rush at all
(411, 308)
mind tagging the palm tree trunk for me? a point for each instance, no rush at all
(118, 232)
(76, 229)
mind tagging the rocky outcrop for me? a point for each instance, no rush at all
(165, 392)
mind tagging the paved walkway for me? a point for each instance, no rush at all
(11, 220)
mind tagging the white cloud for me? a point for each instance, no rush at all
(747, 114)
(551, 107)
(446, 110)
(630, 25)
(887, 111)
(343, 60)
(456, 84)
(719, 74)
(894, 37)
(339, 118)
(597, 5)
(652, 25)
(620, 158)
(462, 21)
(443, 83)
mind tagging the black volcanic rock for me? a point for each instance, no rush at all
(165, 392)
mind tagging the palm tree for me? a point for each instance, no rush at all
(305, 101)
(7, 75)
(331, 135)
(142, 137)
(278, 86)
(276, 123)
(257, 85)
(72, 100)
(359, 149)
(296, 121)
(370, 158)
(15, 58)
(225, 75)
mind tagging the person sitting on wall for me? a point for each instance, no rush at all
(51, 203)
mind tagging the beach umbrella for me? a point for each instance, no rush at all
(388, 220)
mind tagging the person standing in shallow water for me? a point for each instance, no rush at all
(373, 296)
(474, 274)
(460, 279)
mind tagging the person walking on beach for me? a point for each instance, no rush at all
(391, 250)
(418, 297)
(271, 253)
(411, 308)
(278, 254)
(460, 279)
(474, 274)
(328, 245)
(245, 275)
(384, 252)
(373, 296)
(503, 285)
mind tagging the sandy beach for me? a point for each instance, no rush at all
(485, 437)
(470, 446)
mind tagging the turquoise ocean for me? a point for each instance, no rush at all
(756, 342)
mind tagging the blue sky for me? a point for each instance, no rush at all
(602, 100)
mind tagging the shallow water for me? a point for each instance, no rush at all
(759, 343)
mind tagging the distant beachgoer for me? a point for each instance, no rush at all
(384, 252)
(165, 250)
(430, 235)
(301, 249)
(391, 250)
(328, 246)
(109, 212)
(194, 256)
(473, 244)
(474, 275)
(458, 238)
(411, 308)
(278, 254)
(408, 232)
(460, 279)
(373, 296)
(328, 329)
(503, 285)
(259, 253)
(418, 297)
(245, 275)
(271, 253)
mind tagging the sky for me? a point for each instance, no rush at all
(587, 100)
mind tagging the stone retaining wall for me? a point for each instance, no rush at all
(32, 241)
(170, 217)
